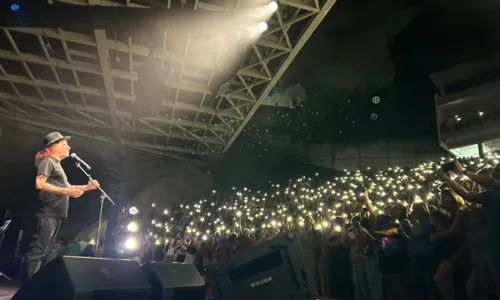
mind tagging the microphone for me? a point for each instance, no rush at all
(79, 160)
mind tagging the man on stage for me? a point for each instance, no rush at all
(53, 195)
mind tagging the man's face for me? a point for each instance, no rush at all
(61, 149)
(99, 252)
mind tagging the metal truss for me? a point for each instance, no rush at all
(83, 83)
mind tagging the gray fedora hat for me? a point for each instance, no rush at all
(54, 137)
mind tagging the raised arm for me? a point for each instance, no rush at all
(470, 196)
(370, 207)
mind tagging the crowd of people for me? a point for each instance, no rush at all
(423, 232)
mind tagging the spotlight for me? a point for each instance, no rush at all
(14, 7)
(374, 117)
(133, 211)
(376, 100)
(132, 227)
(131, 244)
(263, 26)
(273, 6)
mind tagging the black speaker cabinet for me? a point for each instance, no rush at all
(174, 281)
(83, 278)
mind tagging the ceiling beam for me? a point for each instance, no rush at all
(93, 137)
(306, 34)
(120, 46)
(102, 50)
(133, 76)
(101, 111)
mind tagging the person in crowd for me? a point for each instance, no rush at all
(190, 255)
(489, 198)
(311, 241)
(170, 252)
(99, 252)
(393, 230)
(358, 239)
(448, 280)
(148, 253)
(73, 247)
(88, 251)
(244, 241)
(449, 249)
(423, 265)
(83, 244)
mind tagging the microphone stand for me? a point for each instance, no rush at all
(104, 196)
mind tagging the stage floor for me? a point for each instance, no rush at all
(8, 289)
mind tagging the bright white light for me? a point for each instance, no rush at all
(132, 227)
(133, 211)
(131, 244)
(273, 6)
(262, 26)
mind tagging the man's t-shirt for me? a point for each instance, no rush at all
(52, 204)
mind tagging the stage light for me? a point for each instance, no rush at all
(374, 117)
(133, 210)
(14, 7)
(262, 26)
(131, 243)
(132, 227)
(273, 6)
(158, 242)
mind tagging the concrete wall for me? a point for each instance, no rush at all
(380, 154)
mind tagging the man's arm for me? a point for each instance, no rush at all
(461, 191)
(83, 188)
(91, 185)
(484, 180)
(42, 185)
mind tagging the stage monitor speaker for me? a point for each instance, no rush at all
(174, 281)
(83, 278)
(276, 269)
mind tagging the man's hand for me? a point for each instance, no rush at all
(446, 176)
(458, 167)
(73, 192)
(92, 185)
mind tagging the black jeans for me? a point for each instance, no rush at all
(42, 242)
